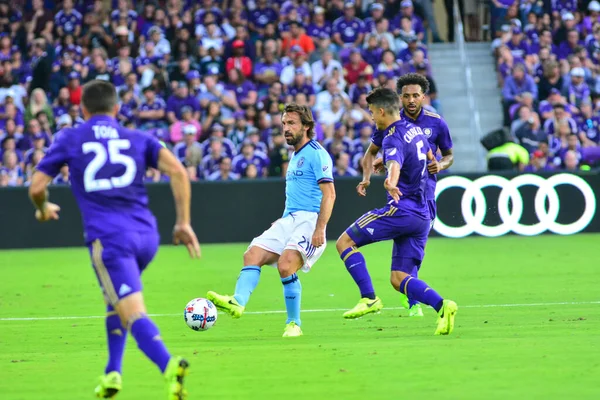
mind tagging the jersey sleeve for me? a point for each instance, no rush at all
(377, 138)
(444, 140)
(393, 150)
(56, 156)
(153, 147)
(322, 166)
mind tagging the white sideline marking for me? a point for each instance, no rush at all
(569, 303)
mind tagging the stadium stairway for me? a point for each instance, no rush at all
(471, 110)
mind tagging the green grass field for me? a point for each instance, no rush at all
(527, 327)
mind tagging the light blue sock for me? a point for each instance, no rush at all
(246, 284)
(292, 292)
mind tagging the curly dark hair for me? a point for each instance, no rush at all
(306, 116)
(412, 79)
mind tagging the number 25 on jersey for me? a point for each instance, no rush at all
(111, 154)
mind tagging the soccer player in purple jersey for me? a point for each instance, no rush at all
(412, 89)
(107, 164)
(405, 218)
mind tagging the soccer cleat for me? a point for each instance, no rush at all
(365, 306)
(404, 301)
(415, 311)
(292, 330)
(175, 373)
(226, 303)
(445, 323)
(109, 386)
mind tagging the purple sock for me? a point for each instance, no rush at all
(415, 274)
(148, 338)
(357, 267)
(418, 290)
(117, 337)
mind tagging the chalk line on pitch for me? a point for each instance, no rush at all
(57, 318)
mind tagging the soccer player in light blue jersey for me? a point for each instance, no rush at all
(297, 239)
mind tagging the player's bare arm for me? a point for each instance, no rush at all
(435, 166)
(367, 165)
(327, 202)
(38, 193)
(391, 182)
(182, 194)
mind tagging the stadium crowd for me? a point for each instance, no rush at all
(548, 64)
(209, 78)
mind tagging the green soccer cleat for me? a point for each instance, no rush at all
(292, 330)
(445, 323)
(415, 311)
(109, 386)
(404, 301)
(175, 373)
(365, 306)
(227, 304)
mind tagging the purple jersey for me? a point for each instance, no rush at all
(407, 145)
(590, 126)
(262, 68)
(176, 103)
(518, 50)
(216, 11)
(319, 32)
(107, 164)
(438, 136)
(578, 93)
(68, 21)
(348, 29)
(259, 159)
(158, 104)
(132, 17)
(260, 17)
(241, 91)
(406, 54)
(564, 6)
(308, 90)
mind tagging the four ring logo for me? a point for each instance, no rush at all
(510, 218)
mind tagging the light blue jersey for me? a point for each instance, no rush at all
(308, 167)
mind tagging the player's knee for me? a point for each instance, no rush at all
(130, 307)
(289, 263)
(343, 242)
(396, 279)
(252, 256)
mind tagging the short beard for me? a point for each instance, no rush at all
(293, 140)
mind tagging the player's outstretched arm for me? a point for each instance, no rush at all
(182, 194)
(38, 193)
(327, 202)
(367, 165)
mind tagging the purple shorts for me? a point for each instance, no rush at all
(432, 212)
(119, 261)
(408, 230)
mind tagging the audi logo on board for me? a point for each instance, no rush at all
(509, 193)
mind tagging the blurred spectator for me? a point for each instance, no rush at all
(180, 99)
(279, 156)
(510, 156)
(245, 90)
(12, 169)
(41, 64)
(239, 60)
(342, 166)
(248, 155)
(38, 103)
(212, 159)
(588, 123)
(514, 86)
(224, 172)
(152, 111)
(571, 161)
(527, 130)
(539, 163)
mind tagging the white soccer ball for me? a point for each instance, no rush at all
(200, 314)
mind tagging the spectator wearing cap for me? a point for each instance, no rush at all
(348, 31)
(578, 90)
(30, 168)
(539, 163)
(518, 44)
(38, 103)
(180, 99)
(245, 90)
(239, 60)
(322, 70)
(593, 17)
(68, 20)
(224, 172)
(375, 15)
(407, 10)
(190, 136)
(38, 141)
(194, 82)
(301, 85)
(355, 67)
(298, 37)
(342, 166)
(151, 113)
(249, 155)
(563, 7)
(298, 62)
(177, 130)
(589, 125)
(12, 171)
(319, 28)
(514, 86)
(568, 23)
